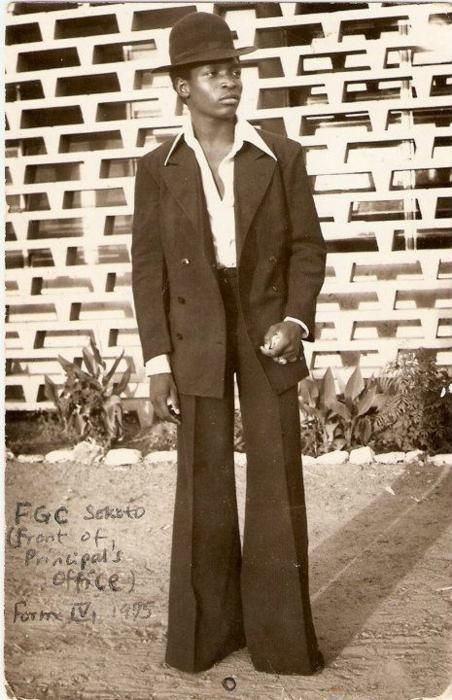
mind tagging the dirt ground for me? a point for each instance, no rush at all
(380, 541)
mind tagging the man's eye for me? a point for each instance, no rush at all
(237, 73)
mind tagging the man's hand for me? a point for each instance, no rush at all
(164, 397)
(282, 342)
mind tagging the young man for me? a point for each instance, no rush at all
(228, 260)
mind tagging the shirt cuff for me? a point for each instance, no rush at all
(303, 326)
(157, 365)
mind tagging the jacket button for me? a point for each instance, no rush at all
(275, 288)
(179, 336)
(181, 300)
(272, 259)
(185, 261)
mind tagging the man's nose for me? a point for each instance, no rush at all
(229, 80)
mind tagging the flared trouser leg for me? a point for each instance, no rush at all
(205, 621)
(275, 590)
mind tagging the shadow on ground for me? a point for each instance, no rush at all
(365, 560)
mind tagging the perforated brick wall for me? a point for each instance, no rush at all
(365, 88)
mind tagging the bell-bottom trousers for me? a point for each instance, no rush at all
(222, 598)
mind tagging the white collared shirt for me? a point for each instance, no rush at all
(220, 209)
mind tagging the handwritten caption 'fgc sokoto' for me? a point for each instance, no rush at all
(76, 553)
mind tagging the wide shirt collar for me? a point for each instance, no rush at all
(244, 131)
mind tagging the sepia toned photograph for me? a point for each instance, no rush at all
(228, 350)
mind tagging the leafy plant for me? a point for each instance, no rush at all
(312, 443)
(320, 427)
(89, 403)
(418, 410)
(356, 408)
(33, 432)
(331, 421)
(160, 436)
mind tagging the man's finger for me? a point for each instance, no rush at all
(291, 353)
(276, 340)
(265, 350)
(159, 405)
(174, 413)
(174, 398)
(269, 335)
(164, 413)
(275, 349)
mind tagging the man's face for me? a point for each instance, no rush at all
(213, 89)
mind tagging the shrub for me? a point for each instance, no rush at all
(354, 410)
(33, 432)
(418, 410)
(319, 422)
(161, 436)
(89, 404)
(330, 421)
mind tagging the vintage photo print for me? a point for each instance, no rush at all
(228, 357)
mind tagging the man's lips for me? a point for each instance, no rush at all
(230, 98)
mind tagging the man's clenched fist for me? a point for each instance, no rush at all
(282, 342)
(164, 397)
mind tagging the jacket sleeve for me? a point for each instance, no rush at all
(149, 283)
(306, 271)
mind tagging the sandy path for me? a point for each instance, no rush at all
(380, 583)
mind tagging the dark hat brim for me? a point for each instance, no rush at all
(205, 57)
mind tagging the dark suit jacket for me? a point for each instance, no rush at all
(281, 260)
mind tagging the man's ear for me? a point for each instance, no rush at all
(182, 88)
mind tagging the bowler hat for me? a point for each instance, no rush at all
(200, 37)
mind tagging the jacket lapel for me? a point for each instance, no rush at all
(180, 174)
(183, 178)
(253, 172)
